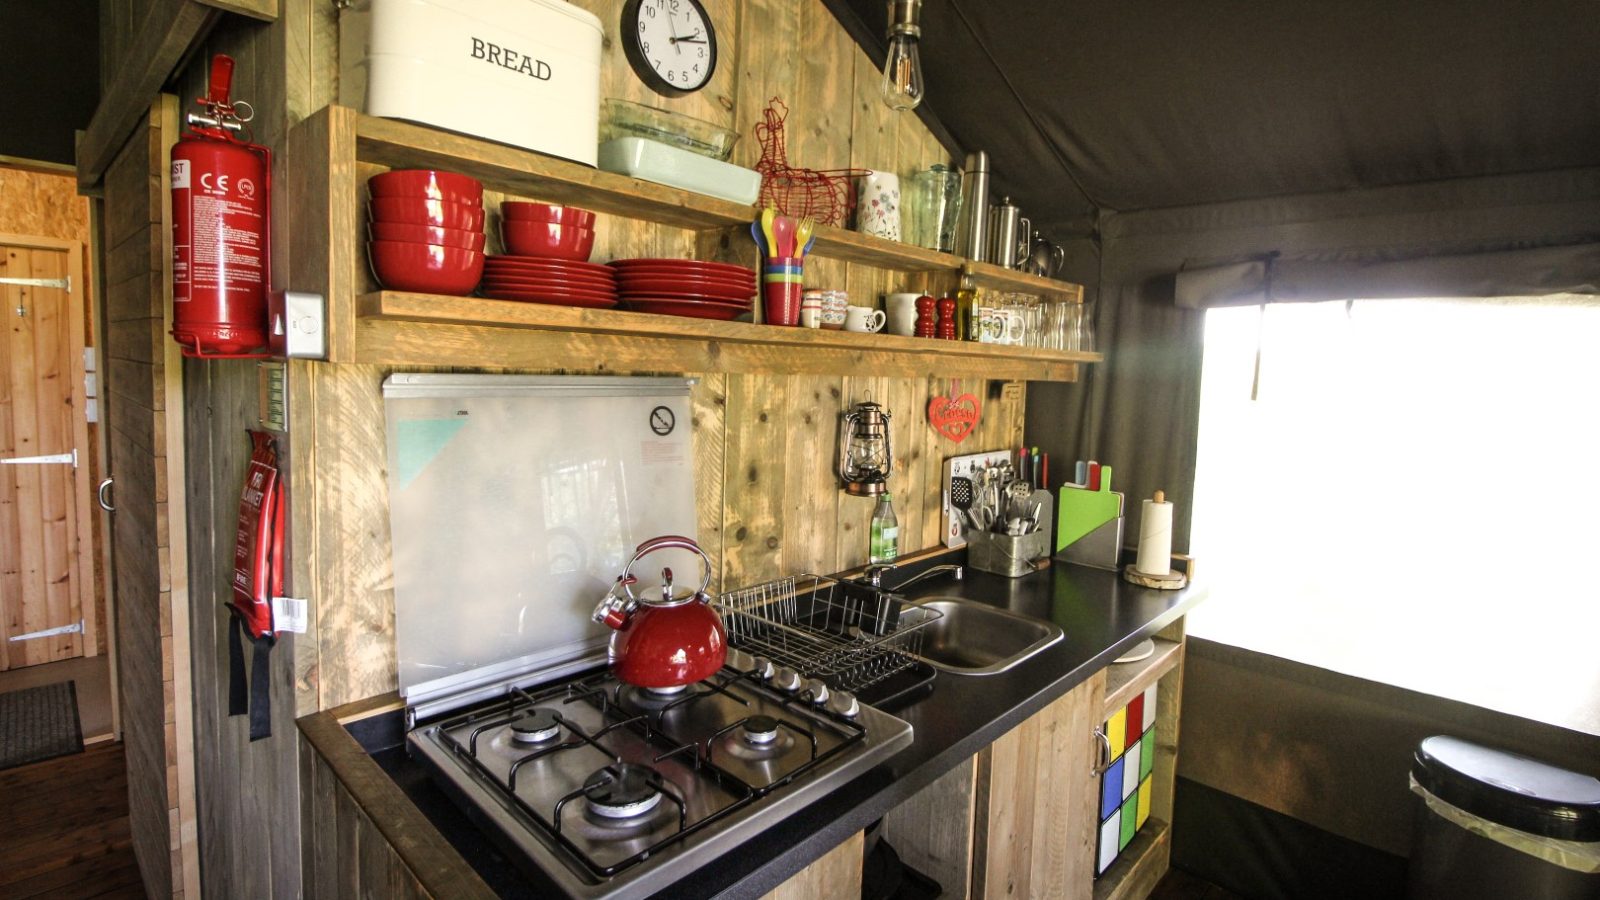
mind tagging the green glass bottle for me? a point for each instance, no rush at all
(885, 542)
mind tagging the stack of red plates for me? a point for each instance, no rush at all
(685, 287)
(535, 279)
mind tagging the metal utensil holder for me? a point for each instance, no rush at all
(849, 636)
(1013, 555)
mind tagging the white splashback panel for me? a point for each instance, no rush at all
(514, 502)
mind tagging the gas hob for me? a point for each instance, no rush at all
(616, 791)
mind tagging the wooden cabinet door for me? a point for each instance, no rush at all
(46, 611)
(1036, 803)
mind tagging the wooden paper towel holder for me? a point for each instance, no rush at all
(1171, 581)
(1175, 579)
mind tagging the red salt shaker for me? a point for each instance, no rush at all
(927, 319)
(947, 319)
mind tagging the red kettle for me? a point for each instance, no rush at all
(663, 642)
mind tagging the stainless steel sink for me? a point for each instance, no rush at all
(972, 638)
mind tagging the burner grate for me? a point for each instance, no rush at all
(658, 727)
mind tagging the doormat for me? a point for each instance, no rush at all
(39, 723)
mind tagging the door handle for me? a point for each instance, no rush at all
(1103, 754)
(101, 493)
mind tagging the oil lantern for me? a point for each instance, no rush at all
(866, 451)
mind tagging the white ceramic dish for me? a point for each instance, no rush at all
(652, 161)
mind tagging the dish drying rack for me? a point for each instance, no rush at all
(852, 637)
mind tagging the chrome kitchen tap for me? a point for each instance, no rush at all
(872, 575)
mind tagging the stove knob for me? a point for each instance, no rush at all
(739, 661)
(844, 703)
(786, 679)
(817, 690)
(762, 667)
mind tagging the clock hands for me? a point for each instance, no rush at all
(674, 39)
(691, 39)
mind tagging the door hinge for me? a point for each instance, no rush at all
(63, 283)
(76, 628)
(43, 460)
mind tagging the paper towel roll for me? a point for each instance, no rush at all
(1155, 537)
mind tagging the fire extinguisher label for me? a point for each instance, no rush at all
(180, 174)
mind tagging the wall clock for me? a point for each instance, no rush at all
(671, 44)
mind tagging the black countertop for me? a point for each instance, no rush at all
(1103, 617)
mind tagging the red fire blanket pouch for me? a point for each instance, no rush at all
(257, 578)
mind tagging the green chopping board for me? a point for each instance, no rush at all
(1082, 510)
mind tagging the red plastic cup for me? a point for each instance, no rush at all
(781, 302)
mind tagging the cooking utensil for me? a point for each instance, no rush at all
(802, 234)
(767, 215)
(663, 642)
(1005, 224)
(783, 235)
(961, 495)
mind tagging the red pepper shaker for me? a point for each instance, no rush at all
(947, 319)
(927, 319)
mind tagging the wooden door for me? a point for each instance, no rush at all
(1037, 799)
(46, 567)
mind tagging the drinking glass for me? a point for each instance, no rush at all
(932, 207)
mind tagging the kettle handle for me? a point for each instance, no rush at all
(666, 542)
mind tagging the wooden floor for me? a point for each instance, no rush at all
(91, 678)
(65, 831)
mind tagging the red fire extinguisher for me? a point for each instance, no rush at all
(221, 212)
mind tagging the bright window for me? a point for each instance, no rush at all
(1413, 497)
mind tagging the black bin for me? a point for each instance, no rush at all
(1492, 825)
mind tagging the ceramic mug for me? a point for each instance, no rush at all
(1016, 325)
(863, 318)
(834, 304)
(810, 316)
(878, 205)
(902, 310)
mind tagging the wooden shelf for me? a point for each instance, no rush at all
(396, 328)
(1124, 681)
(397, 144)
(986, 275)
(1140, 867)
(338, 146)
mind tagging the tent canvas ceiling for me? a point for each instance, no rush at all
(1085, 107)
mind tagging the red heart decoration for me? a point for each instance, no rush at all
(956, 418)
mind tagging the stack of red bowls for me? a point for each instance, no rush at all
(546, 230)
(426, 231)
(685, 287)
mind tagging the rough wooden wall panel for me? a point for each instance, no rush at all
(355, 578)
(248, 798)
(753, 480)
(136, 398)
(811, 449)
(708, 416)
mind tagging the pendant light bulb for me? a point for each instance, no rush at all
(902, 86)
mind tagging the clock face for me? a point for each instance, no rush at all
(670, 43)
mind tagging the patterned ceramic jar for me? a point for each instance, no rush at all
(878, 205)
